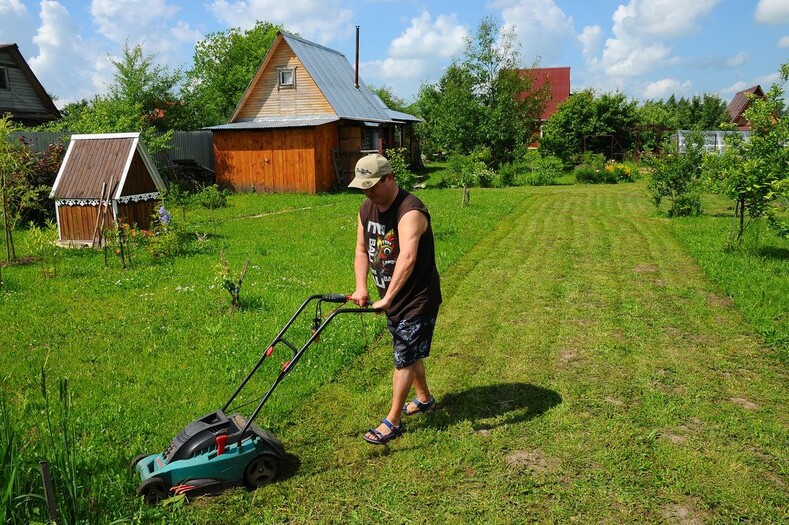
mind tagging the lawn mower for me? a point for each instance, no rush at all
(219, 451)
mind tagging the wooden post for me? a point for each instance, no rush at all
(49, 491)
(98, 215)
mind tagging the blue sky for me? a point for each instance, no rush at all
(643, 48)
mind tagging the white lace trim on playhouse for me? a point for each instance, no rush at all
(126, 199)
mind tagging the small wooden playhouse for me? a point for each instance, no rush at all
(104, 178)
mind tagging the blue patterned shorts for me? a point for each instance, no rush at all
(411, 339)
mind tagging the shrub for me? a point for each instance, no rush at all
(678, 177)
(591, 169)
(397, 159)
(466, 171)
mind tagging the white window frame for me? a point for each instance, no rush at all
(282, 73)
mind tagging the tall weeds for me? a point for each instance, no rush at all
(62, 449)
(9, 467)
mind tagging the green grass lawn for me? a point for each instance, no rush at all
(593, 363)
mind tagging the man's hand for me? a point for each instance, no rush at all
(382, 305)
(360, 297)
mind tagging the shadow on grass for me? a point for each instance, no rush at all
(512, 402)
(774, 252)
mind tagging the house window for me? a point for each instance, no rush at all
(370, 138)
(287, 77)
(4, 78)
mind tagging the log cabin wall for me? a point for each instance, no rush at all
(276, 160)
(269, 100)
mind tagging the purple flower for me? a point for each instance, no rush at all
(164, 216)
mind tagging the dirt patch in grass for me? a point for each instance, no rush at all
(745, 403)
(720, 301)
(567, 356)
(533, 460)
(645, 268)
(681, 433)
(683, 514)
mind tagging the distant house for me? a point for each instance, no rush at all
(557, 80)
(21, 94)
(104, 178)
(740, 103)
(303, 122)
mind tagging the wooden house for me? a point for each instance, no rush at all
(740, 103)
(553, 83)
(21, 94)
(104, 178)
(303, 122)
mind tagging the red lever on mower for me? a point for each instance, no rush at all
(221, 441)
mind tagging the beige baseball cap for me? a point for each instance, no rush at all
(369, 170)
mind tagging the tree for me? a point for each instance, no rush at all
(140, 99)
(586, 122)
(450, 111)
(139, 82)
(224, 64)
(677, 176)
(389, 98)
(755, 172)
(480, 101)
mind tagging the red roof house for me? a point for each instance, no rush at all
(558, 81)
(740, 103)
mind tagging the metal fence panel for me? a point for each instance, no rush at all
(185, 145)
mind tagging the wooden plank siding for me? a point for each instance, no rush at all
(77, 222)
(138, 181)
(268, 100)
(138, 214)
(276, 160)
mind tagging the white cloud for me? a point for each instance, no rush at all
(150, 23)
(783, 41)
(772, 12)
(666, 87)
(118, 20)
(737, 60)
(590, 38)
(418, 54)
(16, 26)
(319, 20)
(641, 29)
(541, 27)
(61, 49)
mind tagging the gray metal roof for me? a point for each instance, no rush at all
(334, 76)
(277, 122)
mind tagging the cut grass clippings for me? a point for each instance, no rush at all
(586, 368)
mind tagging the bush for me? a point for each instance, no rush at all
(466, 171)
(678, 177)
(403, 176)
(591, 169)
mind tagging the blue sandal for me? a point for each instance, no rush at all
(430, 406)
(382, 439)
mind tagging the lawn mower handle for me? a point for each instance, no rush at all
(297, 352)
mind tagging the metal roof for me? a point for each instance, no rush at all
(334, 76)
(277, 122)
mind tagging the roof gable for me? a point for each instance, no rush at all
(25, 98)
(95, 161)
(331, 73)
(741, 101)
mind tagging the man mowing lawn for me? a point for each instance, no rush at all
(394, 242)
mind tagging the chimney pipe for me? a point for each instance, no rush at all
(356, 79)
